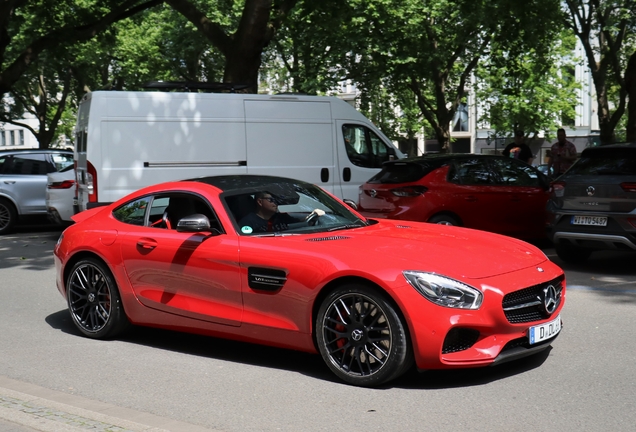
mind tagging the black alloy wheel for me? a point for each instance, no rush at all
(8, 216)
(361, 337)
(94, 301)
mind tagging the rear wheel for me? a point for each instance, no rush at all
(8, 216)
(572, 254)
(361, 337)
(94, 301)
(444, 219)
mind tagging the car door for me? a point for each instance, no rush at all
(195, 275)
(24, 180)
(474, 194)
(524, 197)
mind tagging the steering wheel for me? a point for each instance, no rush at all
(314, 217)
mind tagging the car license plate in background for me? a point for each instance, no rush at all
(589, 220)
(544, 331)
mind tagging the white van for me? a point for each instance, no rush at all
(127, 140)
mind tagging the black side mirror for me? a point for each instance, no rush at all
(194, 223)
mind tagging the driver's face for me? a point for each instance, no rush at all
(268, 202)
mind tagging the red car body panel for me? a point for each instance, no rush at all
(516, 211)
(198, 283)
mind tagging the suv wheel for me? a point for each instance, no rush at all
(8, 216)
(572, 254)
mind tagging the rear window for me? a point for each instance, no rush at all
(401, 173)
(610, 162)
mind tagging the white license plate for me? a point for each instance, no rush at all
(544, 331)
(589, 220)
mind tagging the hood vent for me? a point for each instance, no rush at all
(403, 226)
(317, 239)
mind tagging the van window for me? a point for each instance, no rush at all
(364, 147)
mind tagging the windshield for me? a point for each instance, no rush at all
(288, 208)
(616, 163)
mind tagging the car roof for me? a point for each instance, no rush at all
(245, 182)
(35, 150)
(609, 149)
(440, 159)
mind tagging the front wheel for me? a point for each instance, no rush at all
(94, 301)
(361, 337)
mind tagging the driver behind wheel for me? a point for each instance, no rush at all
(266, 218)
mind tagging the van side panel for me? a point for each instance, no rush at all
(291, 138)
(147, 138)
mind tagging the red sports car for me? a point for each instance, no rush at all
(281, 262)
(491, 193)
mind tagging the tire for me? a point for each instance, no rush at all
(94, 301)
(572, 254)
(361, 337)
(444, 219)
(8, 216)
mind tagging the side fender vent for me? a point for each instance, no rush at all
(266, 279)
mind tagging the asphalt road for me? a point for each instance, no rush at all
(150, 380)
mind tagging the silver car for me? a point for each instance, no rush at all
(593, 205)
(23, 182)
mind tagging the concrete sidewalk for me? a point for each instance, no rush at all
(27, 407)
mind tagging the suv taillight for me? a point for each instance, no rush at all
(629, 187)
(66, 184)
(409, 191)
(557, 188)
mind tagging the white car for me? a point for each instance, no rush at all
(60, 195)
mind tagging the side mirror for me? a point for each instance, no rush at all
(350, 203)
(194, 223)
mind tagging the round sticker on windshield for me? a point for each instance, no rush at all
(246, 230)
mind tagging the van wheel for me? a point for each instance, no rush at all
(8, 216)
(444, 219)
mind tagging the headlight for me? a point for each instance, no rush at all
(444, 291)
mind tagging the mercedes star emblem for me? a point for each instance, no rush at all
(356, 335)
(590, 190)
(373, 193)
(550, 299)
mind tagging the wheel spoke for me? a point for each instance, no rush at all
(90, 315)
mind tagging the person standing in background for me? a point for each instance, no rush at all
(562, 155)
(519, 149)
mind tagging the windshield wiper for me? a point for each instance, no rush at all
(358, 224)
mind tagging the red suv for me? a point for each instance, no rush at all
(490, 193)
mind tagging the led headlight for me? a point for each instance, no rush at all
(444, 291)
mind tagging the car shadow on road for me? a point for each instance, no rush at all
(310, 365)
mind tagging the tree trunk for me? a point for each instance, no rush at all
(630, 85)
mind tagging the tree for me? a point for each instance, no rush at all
(530, 88)
(30, 27)
(603, 27)
(240, 35)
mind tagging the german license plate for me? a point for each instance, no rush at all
(545, 331)
(589, 220)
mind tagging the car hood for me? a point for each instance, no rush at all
(453, 251)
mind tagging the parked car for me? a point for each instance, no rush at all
(593, 205)
(491, 193)
(60, 195)
(543, 168)
(371, 297)
(23, 182)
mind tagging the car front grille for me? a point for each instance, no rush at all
(527, 305)
(459, 339)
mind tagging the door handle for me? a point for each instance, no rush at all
(146, 243)
(9, 182)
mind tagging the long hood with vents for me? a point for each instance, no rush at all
(458, 252)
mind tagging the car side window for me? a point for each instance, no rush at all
(512, 172)
(3, 160)
(28, 164)
(61, 161)
(364, 148)
(133, 213)
(167, 210)
(471, 172)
